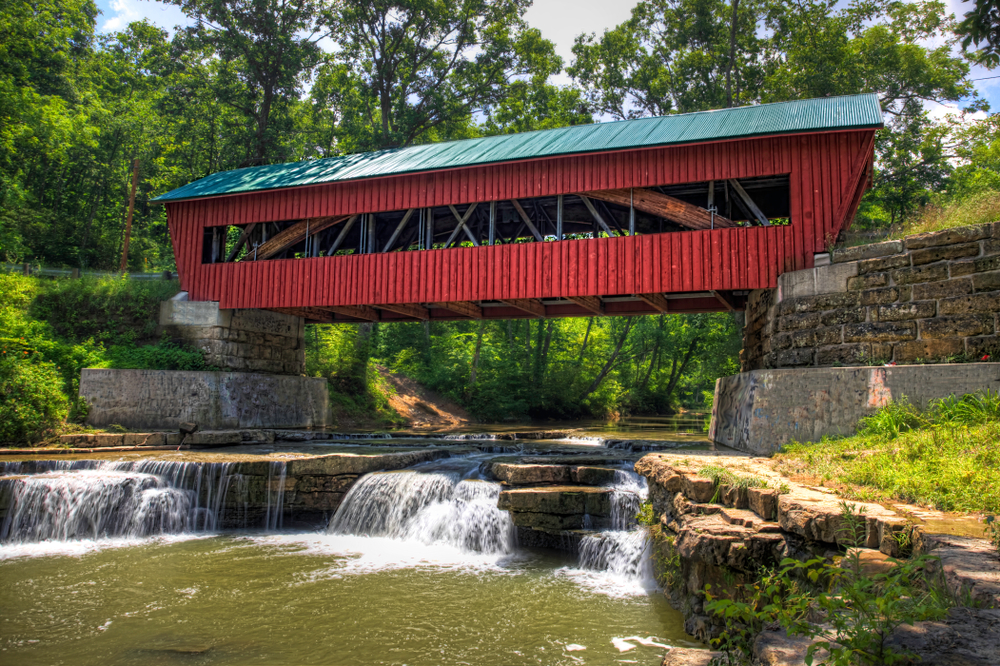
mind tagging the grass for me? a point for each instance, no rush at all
(981, 208)
(722, 476)
(946, 457)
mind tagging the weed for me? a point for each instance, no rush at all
(993, 531)
(666, 559)
(895, 418)
(645, 516)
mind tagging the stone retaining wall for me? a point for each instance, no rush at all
(931, 297)
(762, 410)
(240, 340)
(163, 399)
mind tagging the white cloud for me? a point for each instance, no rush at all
(122, 12)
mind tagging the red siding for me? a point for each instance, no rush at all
(821, 183)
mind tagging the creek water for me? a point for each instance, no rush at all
(120, 562)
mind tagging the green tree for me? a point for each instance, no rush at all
(422, 69)
(266, 51)
(672, 56)
(981, 25)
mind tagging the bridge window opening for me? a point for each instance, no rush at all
(605, 213)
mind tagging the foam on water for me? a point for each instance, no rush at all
(88, 500)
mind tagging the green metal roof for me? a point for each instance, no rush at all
(811, 115)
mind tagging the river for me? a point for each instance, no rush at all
(416, 567)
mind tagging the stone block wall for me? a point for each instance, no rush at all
(237, 340)
(926, 298)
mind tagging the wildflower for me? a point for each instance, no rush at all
(985, 357)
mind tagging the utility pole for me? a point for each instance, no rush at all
(128, 220)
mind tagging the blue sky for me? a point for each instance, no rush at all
(550, 16)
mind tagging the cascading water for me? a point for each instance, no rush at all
(622, 550)
(433, 507)
(88, 499)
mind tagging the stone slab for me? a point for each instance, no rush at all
(762, 410)
(163, 399)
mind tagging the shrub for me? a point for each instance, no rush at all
(162, 356)
(32, 402)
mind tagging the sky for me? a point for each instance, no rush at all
(559, 20)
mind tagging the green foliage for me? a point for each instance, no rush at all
(565, 368)
(111, 310)
(993, 531)
(945, 456)
(897, 417)
(847, 612)
(666, 559)
(980, 27)
(723, 476)
(161, 356)
(646, 516)
(358, 393)
(32, 401)
(55, 322)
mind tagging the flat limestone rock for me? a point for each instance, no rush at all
(776, 648)
(558, 500)
(688, 657)
(967, 637)
(969, 566)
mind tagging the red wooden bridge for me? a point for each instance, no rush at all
(682, 213)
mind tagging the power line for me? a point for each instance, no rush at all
(986, 77)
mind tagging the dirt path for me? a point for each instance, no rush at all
(420, 406)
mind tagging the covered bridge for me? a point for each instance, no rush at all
(681, 213)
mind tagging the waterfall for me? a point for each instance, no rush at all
(90, 505)
(432, 507)
(628, 491)
(90, 499)
(616, 561)
(620, 553)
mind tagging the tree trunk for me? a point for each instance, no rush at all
(732, 55)
(676, 373)
(475, 358)
(611, 361)
(586, 337)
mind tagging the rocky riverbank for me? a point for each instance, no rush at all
(722, 520)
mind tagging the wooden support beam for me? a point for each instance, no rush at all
(409, 310)
(244, 235)
(597, 216)
(316, 314)
(342, 235)
(462, 219)
(527, 220)
(466, 309)
(493, 222)
(532, 306)
(724, 299)
(399, 229)
(592, 303)
(661, 205)
(742, 194)
(296, 234)
(559, 217)
(658, 301)
(365, 312)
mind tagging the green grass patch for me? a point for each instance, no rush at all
(723, 476)
(945, 457)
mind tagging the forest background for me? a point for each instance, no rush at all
(251, 82)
